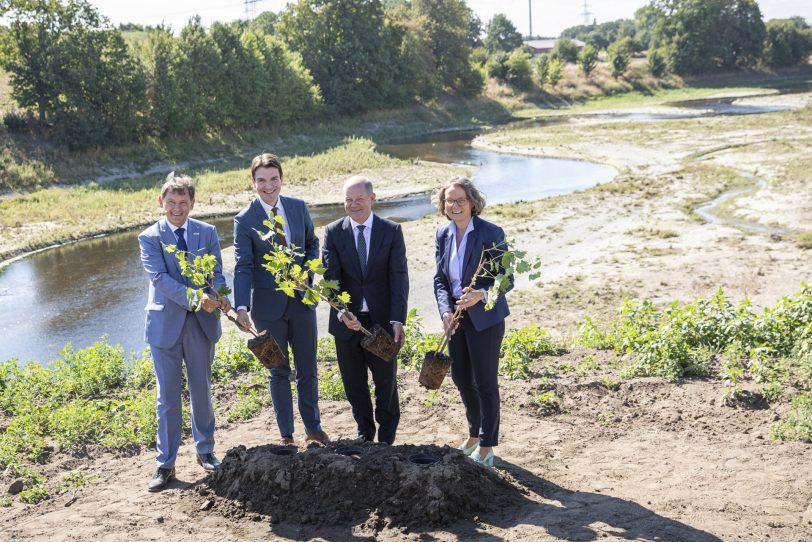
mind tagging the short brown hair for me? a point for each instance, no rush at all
(265, 159)
(178, 184)
(476, 197)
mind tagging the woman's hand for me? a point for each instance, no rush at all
(351, 321)
(470, 298)
(448, 322)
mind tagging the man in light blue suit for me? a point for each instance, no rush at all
(175, 332)
(291, 322)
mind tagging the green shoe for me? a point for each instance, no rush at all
(467, 451)
(486, 461)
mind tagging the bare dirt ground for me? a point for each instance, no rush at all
(651, 461)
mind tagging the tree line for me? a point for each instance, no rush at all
(81, 82)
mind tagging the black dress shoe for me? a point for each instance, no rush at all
(161, 478)
(208, 461)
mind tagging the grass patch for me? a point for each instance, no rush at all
(797, 426)
(805, 240)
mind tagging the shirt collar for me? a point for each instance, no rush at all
(174, 228)
(468, 230)
(268, 208)
(367, 222)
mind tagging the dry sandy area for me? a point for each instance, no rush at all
(651, 461)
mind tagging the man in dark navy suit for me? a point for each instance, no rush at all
(366, 254)
(290, 321)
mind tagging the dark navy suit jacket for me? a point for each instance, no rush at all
(254, 286)
(483, 236)
(386, 283)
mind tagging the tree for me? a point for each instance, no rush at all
(501, 35)
(566, 50)
(343, 45)
(32, 48)
(556, 71)
(447, 24)
(588, 59)
(519, 72)
(656, 62)
(706, 35)
(264, 23)
(543, 68)
(620, 55)
(787, 43)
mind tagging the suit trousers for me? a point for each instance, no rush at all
(354, 362)
(298, 329)
(475, 370)
(195, 349)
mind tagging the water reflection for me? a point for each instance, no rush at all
(81, 291)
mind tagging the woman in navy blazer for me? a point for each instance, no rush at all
(477, 336)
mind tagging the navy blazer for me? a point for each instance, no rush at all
(167, 304)
(254, 286)
(386, 283)
(483, 236)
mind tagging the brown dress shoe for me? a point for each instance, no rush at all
(286, 441)
(318, 436)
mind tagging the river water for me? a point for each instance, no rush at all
(82, 291)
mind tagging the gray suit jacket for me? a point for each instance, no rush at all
(254, 286)
(167, 304)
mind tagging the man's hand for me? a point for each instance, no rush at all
(351, 321)
(243, 321)
(448, 318)
(225, 304)
(470, 298)
(400, 335)
(209, 303)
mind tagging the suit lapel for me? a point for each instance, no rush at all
(193, 239)
(349, 241)
(375, 241)
(470, 245)
(449, 246)
(167, 236)
(296, 237)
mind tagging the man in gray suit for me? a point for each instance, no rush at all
(175, 332)
(290, 321)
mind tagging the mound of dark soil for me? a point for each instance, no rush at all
(346, 482)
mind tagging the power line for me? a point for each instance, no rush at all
(586, 14)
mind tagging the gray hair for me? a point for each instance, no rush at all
(359, 179)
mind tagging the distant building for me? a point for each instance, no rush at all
(538, 47)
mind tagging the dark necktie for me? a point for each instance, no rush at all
(181, 240)
(362, 249)
(280, 230)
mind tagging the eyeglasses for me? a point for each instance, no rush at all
(458, 201)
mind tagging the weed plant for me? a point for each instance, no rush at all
(520, 347)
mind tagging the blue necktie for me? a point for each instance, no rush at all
(362, 249)
(181, 240)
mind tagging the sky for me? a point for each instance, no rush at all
(550, 17)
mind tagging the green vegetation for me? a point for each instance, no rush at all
(805, 240)
(681, 340)
(798, 423)
(547, 403)
(520, 346)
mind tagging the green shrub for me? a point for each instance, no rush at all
(684, 340)
(798, 424)
(331, 387)
(520, 346)
(250, 402)
(417, 342)
(805, 240)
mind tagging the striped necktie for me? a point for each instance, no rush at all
(181, 240)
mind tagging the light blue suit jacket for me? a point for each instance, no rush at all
(167, 304)
(254, 286)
